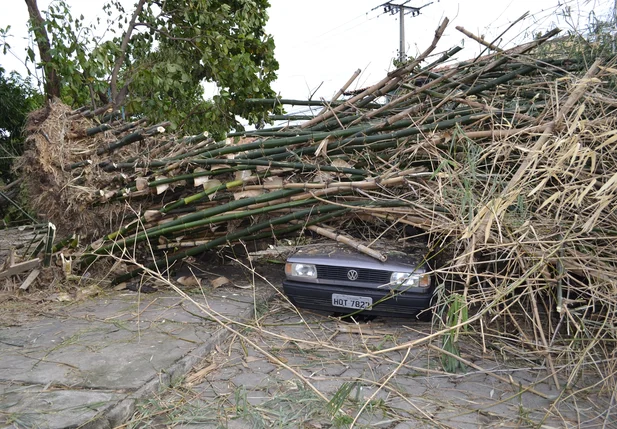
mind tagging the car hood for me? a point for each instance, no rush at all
(405, 259)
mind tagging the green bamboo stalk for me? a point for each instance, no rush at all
(240, 234)
(296, 226)
(131, 138)
(266, 144)
(169, 228)
(267, 234)
(182, 202)
(295, 165)
(233, 205)
(476, 89)
(254, 132)
(254, 162)
(99, 129)
(78, 164)
(129, 126)
(126, 192)
(111, 116)
(290, 117)
(284, 101)
(190, 140)
(360, 141)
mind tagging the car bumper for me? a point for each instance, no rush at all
(319, 297)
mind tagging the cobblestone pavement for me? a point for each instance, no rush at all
(293, 369)
(240, 356)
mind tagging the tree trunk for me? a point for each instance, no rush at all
(52, 80)
(117, 97)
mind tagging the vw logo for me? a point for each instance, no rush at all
(352, 275)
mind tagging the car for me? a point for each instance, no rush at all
(338, 279)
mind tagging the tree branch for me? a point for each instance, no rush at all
(52, 80)
(118, 98)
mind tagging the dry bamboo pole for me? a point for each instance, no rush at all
(503, 133)
(341, 91)
(372, 183)
(349, 241)
(385, 90)
(503, 57)
(479, 39)
(512, 24)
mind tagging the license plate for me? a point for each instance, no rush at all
(351, 301)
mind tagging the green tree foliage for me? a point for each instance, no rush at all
(186, 43)
(160, 56)
(17, 100)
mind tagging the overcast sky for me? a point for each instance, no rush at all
(320, 43)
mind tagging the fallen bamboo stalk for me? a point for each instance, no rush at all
(479, 39)
(349, 241)
(341, 91)
(132, 138)
(164, 263)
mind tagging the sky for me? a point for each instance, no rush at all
(321, 43)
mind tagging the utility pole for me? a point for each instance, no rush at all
(402, 9)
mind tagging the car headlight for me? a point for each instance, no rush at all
(295, 269)
(410, 279)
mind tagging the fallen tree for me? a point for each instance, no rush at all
(504, 163)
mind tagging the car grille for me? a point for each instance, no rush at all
(328, 272)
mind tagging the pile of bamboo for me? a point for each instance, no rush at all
(507, 160)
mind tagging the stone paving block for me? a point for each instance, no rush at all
(31, 406)
(217, 389)
(334, 370)
(227, 371)
(251, 380)
(328, 386)
(261, 365)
